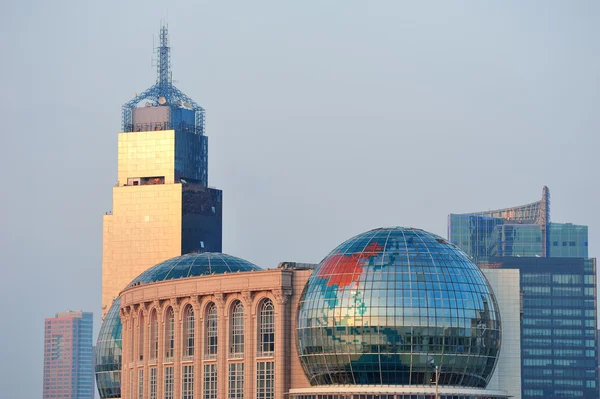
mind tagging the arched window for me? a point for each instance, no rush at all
(236, 337)
(169, 333)
(141, 328)
(153, 335)
(211, 332)
(188, 332)
(266, 329)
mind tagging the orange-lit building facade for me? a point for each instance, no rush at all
(222, 336)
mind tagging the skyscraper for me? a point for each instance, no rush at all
(523, 230)
(162, 205)
(68, 356)
(558, 281)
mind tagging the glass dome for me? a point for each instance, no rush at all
(194, 265)
(108, 352)
(389, 305)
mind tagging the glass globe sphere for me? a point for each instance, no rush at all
(390, 305)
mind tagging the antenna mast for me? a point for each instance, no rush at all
(163, 58)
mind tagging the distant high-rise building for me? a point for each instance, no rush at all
(523, 230)
(68, 356)
(558, 333)
(162, 205)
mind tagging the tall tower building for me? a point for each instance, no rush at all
(162, 205)
(558, 284)
(68, 356)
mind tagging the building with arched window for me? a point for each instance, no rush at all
(390, 314)
(238, 315)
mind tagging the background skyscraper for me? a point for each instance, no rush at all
(162, 205)
(68, 356)
(558, 335)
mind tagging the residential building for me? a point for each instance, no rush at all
(68, 356)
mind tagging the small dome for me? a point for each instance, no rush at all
(108, 355)
(193, 265)
(389, 305)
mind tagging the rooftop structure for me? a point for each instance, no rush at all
(523, 230)
(163, 92)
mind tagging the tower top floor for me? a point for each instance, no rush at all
(163, 106)
(162, 139)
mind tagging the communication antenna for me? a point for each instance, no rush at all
(162, 100)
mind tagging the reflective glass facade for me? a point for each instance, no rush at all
(567, 240)
(201, 219)
(516, 240)
(194, 265)
(388, 305)
(558, 346)
(516, 231)
(523, 230)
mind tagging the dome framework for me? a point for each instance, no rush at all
(389, 305)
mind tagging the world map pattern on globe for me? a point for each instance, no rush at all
(386, 304)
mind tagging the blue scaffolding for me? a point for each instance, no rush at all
(163, 92)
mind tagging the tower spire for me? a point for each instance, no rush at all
(164, 58)
(163, 92)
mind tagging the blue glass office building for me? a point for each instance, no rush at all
(523, 230)
(558, 330)
(558, 281)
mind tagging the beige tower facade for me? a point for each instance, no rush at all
(156, 214)
(144, 227)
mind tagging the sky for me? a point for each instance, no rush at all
(325, 119)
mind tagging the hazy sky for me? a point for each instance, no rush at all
(325, 119)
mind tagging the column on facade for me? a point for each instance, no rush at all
(249, 344)
(134, 319)
(146, 349)
(160, 378)
(198, 342)
(177, 371)
(124, 313)
(221, 348)
(281, 348)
